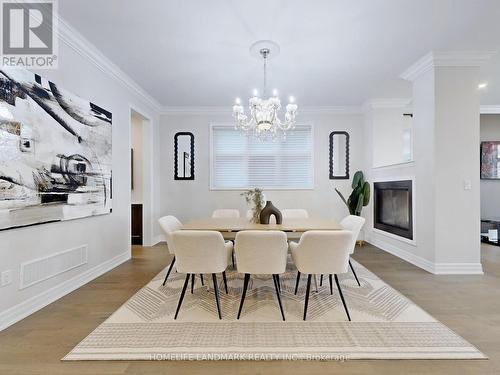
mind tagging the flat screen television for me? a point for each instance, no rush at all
(490, 160)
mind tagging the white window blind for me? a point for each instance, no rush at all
(241, 162)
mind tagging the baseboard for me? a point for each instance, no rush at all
(28, 307)
(427, 265)
(157, 239)
(154, 241)
(403, 254)
(458, 269)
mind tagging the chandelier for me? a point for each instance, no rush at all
(263, 120)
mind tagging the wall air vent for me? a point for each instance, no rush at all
(41, 269)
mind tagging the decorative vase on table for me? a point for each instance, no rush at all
(269, 210)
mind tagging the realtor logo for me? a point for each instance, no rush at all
(29, 34)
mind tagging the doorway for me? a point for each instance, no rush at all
(138, 165)
(490, 178)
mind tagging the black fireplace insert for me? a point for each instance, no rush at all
(393, 212)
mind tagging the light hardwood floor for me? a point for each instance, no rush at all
(470, 305)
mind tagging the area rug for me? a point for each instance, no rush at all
(385, 324)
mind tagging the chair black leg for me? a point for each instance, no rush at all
(232, 257)
(342, 297)
(201, 278)
(275, 279)
(297, 282)
(182, 296)
(169, 270)
(321, 280)
(308, 290)
(216, 290)
(279, 283)
(331, 287)
(225, 280)
(245, 286)
(192, 283)
(354, 272)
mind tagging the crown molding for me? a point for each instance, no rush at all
(489, 109)
(195, 110)
(227, 111)
(386, 103)
(332, 110)
(72, 38)
(382, 103)
(450, 58)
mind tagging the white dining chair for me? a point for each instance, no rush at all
(322, 252)
(169, 224)
(199, 252)
(261, 252)
(226, 213)
(354, 224)
(294, 213)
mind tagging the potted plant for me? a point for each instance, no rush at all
(255, 200)
(360, 195)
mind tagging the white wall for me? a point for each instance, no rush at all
(107, 236)
(446, 213)
(194, 199)
(136, 134)
(403, 171)
(490, 189)
(389, 126)
(457, 159)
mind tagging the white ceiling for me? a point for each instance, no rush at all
(333, 52)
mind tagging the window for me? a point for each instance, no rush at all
(240, 162)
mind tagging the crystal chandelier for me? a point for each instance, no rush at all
(263, 120)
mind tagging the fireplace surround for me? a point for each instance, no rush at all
(393, 207)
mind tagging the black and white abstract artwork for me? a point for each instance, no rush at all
(55, 153)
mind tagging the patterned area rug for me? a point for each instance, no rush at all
(385, 324)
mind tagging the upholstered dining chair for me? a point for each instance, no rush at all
(226, 213)
(294, 213)
(201, 251)
(354, 224)
(261, 252)
(169, 224)
(322, 252)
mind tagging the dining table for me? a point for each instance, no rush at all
(293, 227)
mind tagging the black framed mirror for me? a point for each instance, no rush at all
(184, 156)
(339, 155)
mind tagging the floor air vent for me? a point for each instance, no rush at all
(41, 269)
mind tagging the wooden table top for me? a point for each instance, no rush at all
(237, 224)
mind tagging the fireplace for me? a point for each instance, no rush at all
(393, 211)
